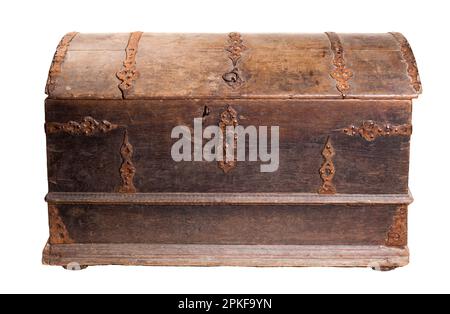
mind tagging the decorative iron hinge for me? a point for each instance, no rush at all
(341, 74)
(235, 48)
(128, 74)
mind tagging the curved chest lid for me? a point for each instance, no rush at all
(174, 66)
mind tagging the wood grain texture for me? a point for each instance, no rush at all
(226, 255)
(228, 224)
(274, 65)
(366, 54)
(90, 66)
(242, 198)
(92, 164)
(342, 103)
(58, 59)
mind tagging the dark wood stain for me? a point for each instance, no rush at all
(117, 197)
(265, 225)
(304, 128)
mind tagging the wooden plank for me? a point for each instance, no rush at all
(225, 198)
(225, 255)
(324, 224)
(91, 164)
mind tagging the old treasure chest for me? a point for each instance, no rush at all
(229, 149)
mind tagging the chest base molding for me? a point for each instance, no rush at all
(228, 229)
(377, 257)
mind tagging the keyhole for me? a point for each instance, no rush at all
(206, 111)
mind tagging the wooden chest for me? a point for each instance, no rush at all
(229, 149)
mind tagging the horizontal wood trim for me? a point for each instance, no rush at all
(225, 255)
(245, 97)
(255, 97)
(225, 198)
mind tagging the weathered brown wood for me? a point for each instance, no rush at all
(377, 257)
(79, 164)
(271, 65)
(342, 103)
(226, 198)
(227, 224)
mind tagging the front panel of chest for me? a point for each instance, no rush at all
(320, 146)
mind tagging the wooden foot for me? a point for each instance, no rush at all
(385, 268)
(75, 267)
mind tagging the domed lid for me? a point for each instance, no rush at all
(177, 66)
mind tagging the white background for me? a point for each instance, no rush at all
(30, 31)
